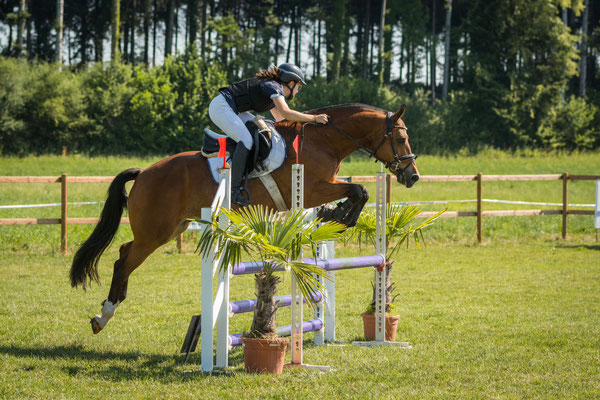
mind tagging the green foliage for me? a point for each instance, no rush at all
(398, 230)
(107, 109)
(571, 125)
(41, 109)
(275, 239)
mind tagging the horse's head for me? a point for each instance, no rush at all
(395, 151)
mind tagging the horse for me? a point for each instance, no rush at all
(168, 194)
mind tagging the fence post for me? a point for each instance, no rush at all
(388, 188)
(565, 206)
(479, 208)
(180, 243)
(63, 213)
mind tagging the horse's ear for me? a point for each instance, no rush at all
(399, 113)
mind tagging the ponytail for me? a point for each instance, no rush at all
(272, 73)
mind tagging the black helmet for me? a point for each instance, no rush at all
(290, 72)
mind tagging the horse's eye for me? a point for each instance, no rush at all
(401, 140)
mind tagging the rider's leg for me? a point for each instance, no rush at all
(238, 167)
(227, 120)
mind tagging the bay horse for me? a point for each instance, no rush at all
(167, 194)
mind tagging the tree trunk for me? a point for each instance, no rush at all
(365, 39)
(583, 50)
(203, 33)
(125, 29)
(336, 30)
(169, 27)
(116, 32)
(381, 29)
(147, 12)
(83, 36)
(176, 28)
(387, 50)
(401, 61)
(319, 48)
(193, 20)
(447, 49)
(289, 47)
(345, 63)
(60, 12)
(132, 35)
(21, 27)
(371, 47)
(154, 25)
(29, 46)
(433, 57)
(263, 323)
(98, 36)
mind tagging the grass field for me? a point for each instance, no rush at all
(515, 317)
(484, 322)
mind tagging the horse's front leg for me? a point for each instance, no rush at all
(347, 211)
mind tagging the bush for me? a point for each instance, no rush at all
(571, 126)
(41, 109)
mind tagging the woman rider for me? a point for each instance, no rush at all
(266, 91)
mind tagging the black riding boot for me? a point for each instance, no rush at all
(238, 167)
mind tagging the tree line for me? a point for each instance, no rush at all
(500, 73)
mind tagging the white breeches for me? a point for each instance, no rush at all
(229, 122)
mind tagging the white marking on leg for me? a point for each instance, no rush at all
(108, 310)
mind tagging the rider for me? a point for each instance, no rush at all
(266, 91)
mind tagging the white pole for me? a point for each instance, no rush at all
(297, 299)
(597, 210)
(207, 303)
(223, 314)
(319, 307)
(380, 248)
(329, 314)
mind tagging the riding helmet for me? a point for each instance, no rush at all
(291, 72)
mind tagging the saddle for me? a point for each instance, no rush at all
(262, 139)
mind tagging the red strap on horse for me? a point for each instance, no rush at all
(223, 150)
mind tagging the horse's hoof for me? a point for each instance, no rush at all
(96, 327)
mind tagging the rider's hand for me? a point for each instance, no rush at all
(321, 118)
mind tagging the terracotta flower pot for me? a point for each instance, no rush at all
(391, 326)
(264, 355)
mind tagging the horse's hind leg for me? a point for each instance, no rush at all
(131, 256)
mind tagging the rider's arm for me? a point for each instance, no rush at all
(284, 111)
(276, 114)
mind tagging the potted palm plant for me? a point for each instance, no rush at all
(399, 230)
(277, 240)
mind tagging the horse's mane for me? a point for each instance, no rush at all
(358, 106)
(352, 107)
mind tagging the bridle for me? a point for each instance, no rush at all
(393, 166)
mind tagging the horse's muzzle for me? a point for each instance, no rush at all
(408, 177)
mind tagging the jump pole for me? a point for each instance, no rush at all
(214, 312)
(297, 298)
(380, 293)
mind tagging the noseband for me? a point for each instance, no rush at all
(393, 166)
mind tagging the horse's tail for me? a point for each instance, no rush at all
(85, 262)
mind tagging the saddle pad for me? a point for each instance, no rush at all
(273, 162)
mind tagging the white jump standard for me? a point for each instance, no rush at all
(216, 313)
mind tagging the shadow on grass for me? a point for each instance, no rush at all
(579, 246)
(111, 365)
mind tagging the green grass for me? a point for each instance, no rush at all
(484, 323)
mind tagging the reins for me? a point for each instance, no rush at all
(391, 165)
